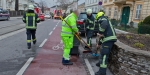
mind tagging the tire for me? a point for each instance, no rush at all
(8, 18)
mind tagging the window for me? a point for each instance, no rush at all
(115, 12)
(96, 9)
(138, 11)
(109, 14)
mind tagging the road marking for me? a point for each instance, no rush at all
(50, 33)
(43, 43)
(54, 28)
(22, 70)
(89, 67)
(11, 34)
(57, 23)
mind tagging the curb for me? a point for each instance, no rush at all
(122, 31)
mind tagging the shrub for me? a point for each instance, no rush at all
(147, 20)
(140, 23)
(144, 29)
(139, 45)
(129, 37)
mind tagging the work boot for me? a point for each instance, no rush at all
(29, 47)
(66, 62)
(97, 73)
(98, 64)
(34, 42)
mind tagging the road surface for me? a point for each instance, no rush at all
(13, 49)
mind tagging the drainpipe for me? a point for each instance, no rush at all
(133, 10)
(131, 23)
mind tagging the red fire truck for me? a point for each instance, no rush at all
(39, 12)
(57, 13)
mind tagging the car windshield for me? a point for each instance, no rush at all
(94, 15)
(3, 11)
(84, 16)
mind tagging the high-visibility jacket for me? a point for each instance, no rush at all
(31, 20)
(71, 20)
(90, 22)
(106, 28)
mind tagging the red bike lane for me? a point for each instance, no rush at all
(48, 61)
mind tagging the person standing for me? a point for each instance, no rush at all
(89, 25)
(67, 35)
(31, 19)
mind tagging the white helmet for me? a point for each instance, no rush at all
(31, 7)
(89, 11)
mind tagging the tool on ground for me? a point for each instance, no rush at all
(98, 38)
(79, 38)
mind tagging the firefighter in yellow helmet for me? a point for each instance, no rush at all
(107, 32)
(31, 19)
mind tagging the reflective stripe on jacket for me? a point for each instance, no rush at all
(106, 28)
(71, 20)
(31, 20)
(90, 23)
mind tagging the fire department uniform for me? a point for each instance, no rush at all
(67, 36)
(108, 40)
(90, 25)
(31, 20)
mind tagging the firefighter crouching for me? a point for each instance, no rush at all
(67, 36)
(90, 25)
(108, 33)
(31, 19)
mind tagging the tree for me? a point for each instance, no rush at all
(16, 5)
(64, 4)
(42, 4)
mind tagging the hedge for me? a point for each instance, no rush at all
(144, 29)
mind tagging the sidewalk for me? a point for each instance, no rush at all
(48, 61)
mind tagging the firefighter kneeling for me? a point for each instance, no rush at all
(106, 29)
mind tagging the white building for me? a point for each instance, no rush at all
(10, 4)
(92, 4)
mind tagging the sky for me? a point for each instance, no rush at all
(51, 3)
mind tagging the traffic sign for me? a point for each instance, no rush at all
(100, 3)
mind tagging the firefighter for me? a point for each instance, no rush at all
(89, 25)
(31, 19)
(108, 33)
(67, 36)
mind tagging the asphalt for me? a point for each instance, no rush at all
(13, 49)
(14, 52)
(13, 21)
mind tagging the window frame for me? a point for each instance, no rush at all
(138, 11)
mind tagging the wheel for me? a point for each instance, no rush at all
(8, 18)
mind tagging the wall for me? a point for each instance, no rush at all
(125, 60)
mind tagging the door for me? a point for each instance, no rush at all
(125, 15)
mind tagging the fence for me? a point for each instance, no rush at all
(16, 13)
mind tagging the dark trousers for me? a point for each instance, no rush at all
(89, 34)
(30, 33)
(106, 49)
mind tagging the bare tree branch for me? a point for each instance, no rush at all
(64, 3)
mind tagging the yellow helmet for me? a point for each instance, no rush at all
(99, 14)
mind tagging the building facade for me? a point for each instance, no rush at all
(92, 4)
(127, 10)
(10, 4)
(81, 7)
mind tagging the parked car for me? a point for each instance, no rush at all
(81, 25)
(41, 16)
(48, 16)
(4, 15)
